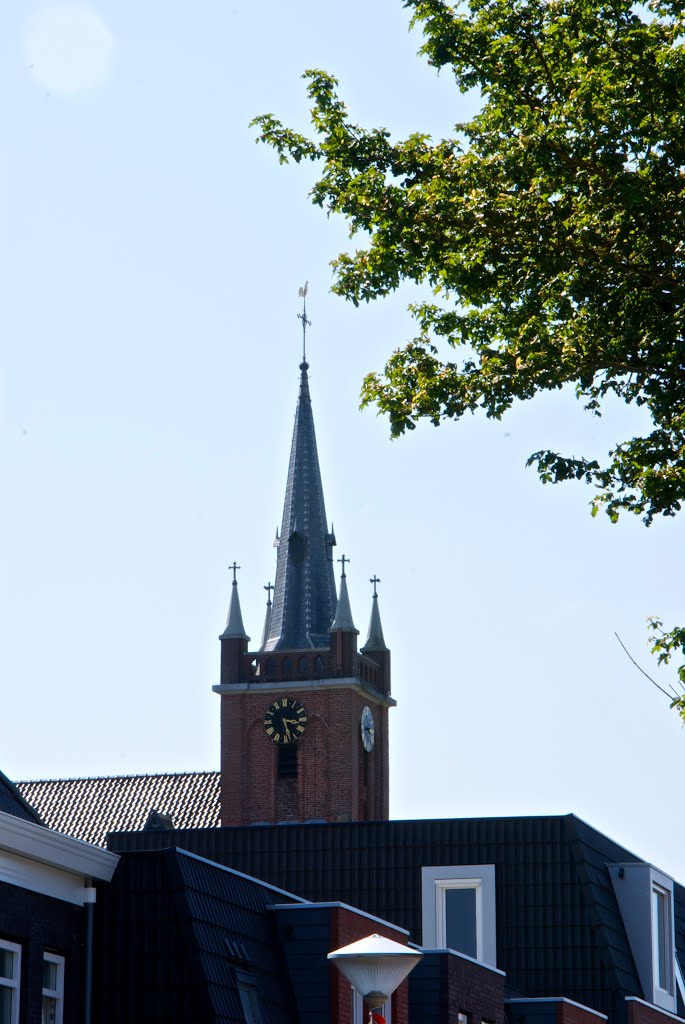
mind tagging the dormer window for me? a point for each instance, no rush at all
(645, 899)
(458, 909)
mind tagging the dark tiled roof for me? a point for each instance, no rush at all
(174, 934)
(90, 808)
(12, 802)
(304, 595)
(559, 928)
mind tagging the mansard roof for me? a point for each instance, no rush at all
(90, 808)
(559, 927)
(304, 599)
(222, 929)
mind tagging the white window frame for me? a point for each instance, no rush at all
(442, 886)
(249, 997)
(13, 983)
(57, 993)
(436, 882)
(662, 938)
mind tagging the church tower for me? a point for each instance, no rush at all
(304, 719)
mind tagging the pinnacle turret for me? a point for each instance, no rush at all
(267, 617)
(375, 640)
(343, 613)
(234, 623)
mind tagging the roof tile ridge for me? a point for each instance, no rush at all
(104, 778)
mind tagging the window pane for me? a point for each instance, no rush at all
(250, 1004)
(662, 938)
(460, 921)
(49, 975)
(49, 1010)
(6, 963)
(6, 997)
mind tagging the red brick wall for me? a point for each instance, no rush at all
(639, 1013)
(569, 1014)
(474, 990)
(337, 779)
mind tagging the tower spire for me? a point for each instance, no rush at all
(304, 600)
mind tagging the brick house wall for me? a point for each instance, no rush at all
(308, 933)
(640, 1012)
(38, 924)
(446, 984)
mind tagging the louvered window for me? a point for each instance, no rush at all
(287, 761)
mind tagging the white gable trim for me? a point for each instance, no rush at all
(36, 858)
(29, 874)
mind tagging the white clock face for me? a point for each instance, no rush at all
(367, 729)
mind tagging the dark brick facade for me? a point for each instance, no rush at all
(446, 984)
(38, 924)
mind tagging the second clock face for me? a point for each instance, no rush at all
(285, 720)
(367, 729)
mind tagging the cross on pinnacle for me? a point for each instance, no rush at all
(343, 560)
(269, 587)
(234, 568)
(374, 579)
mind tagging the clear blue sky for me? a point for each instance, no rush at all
(151, 257)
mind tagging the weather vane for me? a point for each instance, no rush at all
(303, 317)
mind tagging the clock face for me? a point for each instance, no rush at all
(284, 720)
(367, 729)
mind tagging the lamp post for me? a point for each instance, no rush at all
(375, 966)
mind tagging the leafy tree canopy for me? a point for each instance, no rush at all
(550, 227)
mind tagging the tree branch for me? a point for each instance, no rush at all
(645, 674)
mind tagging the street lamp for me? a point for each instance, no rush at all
(375, 966)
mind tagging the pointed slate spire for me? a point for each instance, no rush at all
(304, 595)
(234, 623)
(375, 640)
(267, 617)
(343, 613)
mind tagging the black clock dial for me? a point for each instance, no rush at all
(285, 720)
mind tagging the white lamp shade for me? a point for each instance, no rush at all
(375, 966)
